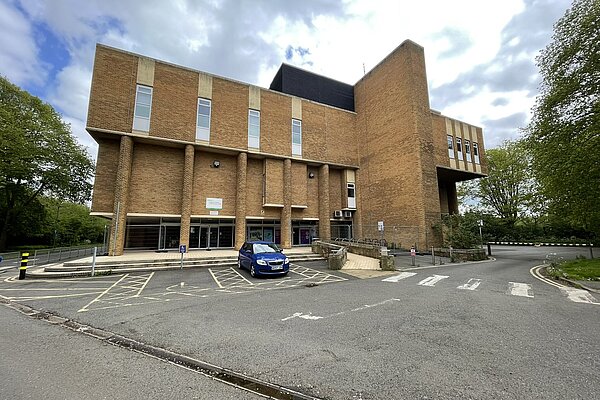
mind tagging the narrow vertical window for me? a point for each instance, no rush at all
(476, 152)
(450, 146)
(254, 129)
(203, 121)
(459, 148)
(351, 195)
(143, 106)
(296, 137)
(468, 150)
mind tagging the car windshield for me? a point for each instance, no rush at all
(265, 248)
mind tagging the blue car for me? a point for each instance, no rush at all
(263, 259)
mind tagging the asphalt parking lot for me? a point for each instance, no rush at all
(485, 330)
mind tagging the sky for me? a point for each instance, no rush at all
(480, 54)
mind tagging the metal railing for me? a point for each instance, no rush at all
(49, 256)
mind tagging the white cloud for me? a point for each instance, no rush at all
(482, 48)
(18, 52)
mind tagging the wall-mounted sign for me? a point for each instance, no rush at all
(214, 203)
(380, 226)
(214, 212)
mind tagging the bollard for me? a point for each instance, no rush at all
(591, 251)
(23, 267)
(489, 249)
(413, 255)
(432, 255)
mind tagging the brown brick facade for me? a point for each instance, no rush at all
(174, 101)
(393, 146)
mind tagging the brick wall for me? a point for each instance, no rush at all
(112, 93)
(312, 194)
(229, 120)
(299, 183)
(399, 181)
(214, 182)
(335, 190)
(174, 102)
(276, 123)
(106, 176)
(273, 181)
(156, 179)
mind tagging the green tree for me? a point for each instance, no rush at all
(38, 156)
(509, 191)
(564, 134)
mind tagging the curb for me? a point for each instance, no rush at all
(577, 284)
(542, 244)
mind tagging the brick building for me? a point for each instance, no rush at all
(192, 158)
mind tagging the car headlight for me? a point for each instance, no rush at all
(261, 262)
(287, 260)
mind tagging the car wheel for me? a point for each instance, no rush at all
(252, 271)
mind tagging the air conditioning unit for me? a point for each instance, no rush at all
(337, 213)
(348, 214)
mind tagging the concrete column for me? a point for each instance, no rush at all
(186, 196)
(286, 211)
(324, 223)
(240, 200)
(119, 220)
(357, 222)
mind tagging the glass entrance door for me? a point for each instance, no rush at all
(168, 237)
(209, 237)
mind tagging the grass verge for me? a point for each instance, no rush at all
(579, 270)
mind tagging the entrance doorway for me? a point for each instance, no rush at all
(169, 236)
(203, 236)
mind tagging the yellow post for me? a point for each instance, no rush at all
(23, 268)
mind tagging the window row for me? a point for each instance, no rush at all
(459, 149)
(143, 108)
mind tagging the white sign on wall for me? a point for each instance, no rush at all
(380, 226)
(214, 203)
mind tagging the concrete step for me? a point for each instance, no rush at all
(78, 269)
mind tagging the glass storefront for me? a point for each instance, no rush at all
(267, 230)
(303, 232)
(163, 233)
(341, 230)
(212, 233)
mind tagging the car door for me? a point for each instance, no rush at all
(246, 255)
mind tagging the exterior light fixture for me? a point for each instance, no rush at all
(216, 164)
(311, 175)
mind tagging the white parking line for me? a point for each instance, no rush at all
(84, 308)
(520, 289)
(472, 284)
(396, 278)
(432, 280)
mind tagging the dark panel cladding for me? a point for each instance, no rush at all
(301, 83)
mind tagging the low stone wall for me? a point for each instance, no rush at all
(336, 255)
(386, 262)
(461, 255)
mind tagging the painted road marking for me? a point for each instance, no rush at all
(472, 284)
(578, 295)
(126, 288)
(432, 280)
(303, 316)
(396, 278)
(311, 317)
(228, 277)
(520, 289)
